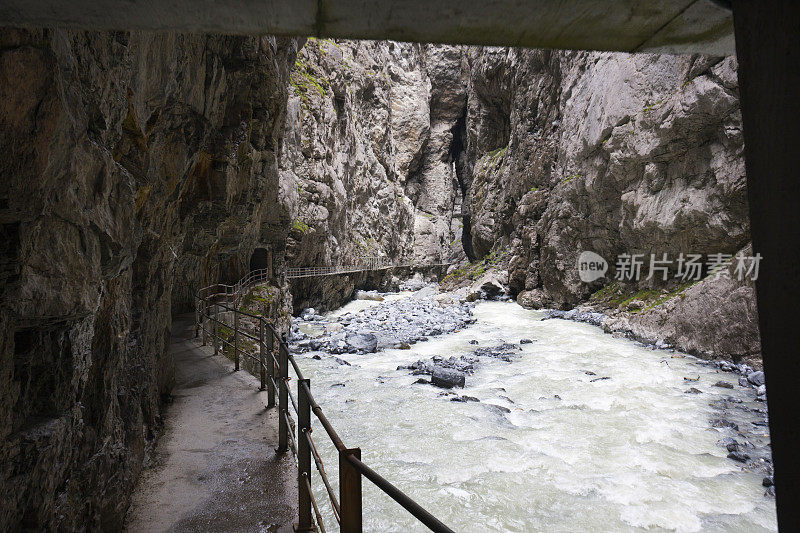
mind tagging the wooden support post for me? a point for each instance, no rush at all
(202, 312)
(215, 330)
(768, 51)
(269, 264)
(304, 522)
(197, 323)
(283, 399)
(235, 340)
(350, 492)
(262, 371)
(270, 369)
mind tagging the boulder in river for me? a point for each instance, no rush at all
(491, 286)
(447, 378)
(761, 393)
(362, 342)
(756, 378)
(723, 385)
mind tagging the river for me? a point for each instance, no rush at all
(561, 452)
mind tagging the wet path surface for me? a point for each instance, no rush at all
(215, 467)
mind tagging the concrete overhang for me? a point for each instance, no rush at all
(673, 26)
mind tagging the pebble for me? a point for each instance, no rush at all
(464, 399)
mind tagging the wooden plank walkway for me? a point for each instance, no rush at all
(215, 467)
(314, 271)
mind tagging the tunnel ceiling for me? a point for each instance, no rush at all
(679, 26)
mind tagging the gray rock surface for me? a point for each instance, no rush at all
(389, 324)
(362, 342)
(425, 152)
(367, 168)
(447, 378)
(136, 168)
(612, 153)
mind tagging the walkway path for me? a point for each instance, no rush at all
(215, 465)
(367, 265)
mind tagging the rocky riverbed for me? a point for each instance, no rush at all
(627, 435)
(734, 395)
(403, 320)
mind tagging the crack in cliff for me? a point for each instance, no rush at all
(458, 155)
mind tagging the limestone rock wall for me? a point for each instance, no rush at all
(613, 153)
(427, 151)
(368, 164)
(136, 168)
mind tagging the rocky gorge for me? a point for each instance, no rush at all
(140, 167)
(522, 159)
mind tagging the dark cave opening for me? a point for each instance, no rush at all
(458, 156)
(261, 259)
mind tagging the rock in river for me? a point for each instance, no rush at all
(447, 378)
(362, 342)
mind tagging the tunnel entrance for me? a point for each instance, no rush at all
(261, 259)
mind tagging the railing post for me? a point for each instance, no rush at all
(197, 322)
(215, 329)
(235, 339)
(271, 369)
(283, 398)
(350, 492)
(262, 371)
(202, 309)
(303, 456)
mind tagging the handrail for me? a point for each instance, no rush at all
(217, 307)
(367, 264)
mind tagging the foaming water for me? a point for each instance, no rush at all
(546, 448)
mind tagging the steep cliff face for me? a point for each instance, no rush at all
(612, 153)
(137, 168)
(425, 152)
(368, 164)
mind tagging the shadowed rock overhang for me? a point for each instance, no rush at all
(670, 26)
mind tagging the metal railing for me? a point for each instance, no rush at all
(232, 293)
(220, 322)
(366, 264)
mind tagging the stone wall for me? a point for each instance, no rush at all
(368, 167)
(136, 168)
(613, 153)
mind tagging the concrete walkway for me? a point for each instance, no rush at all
(215, 467)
